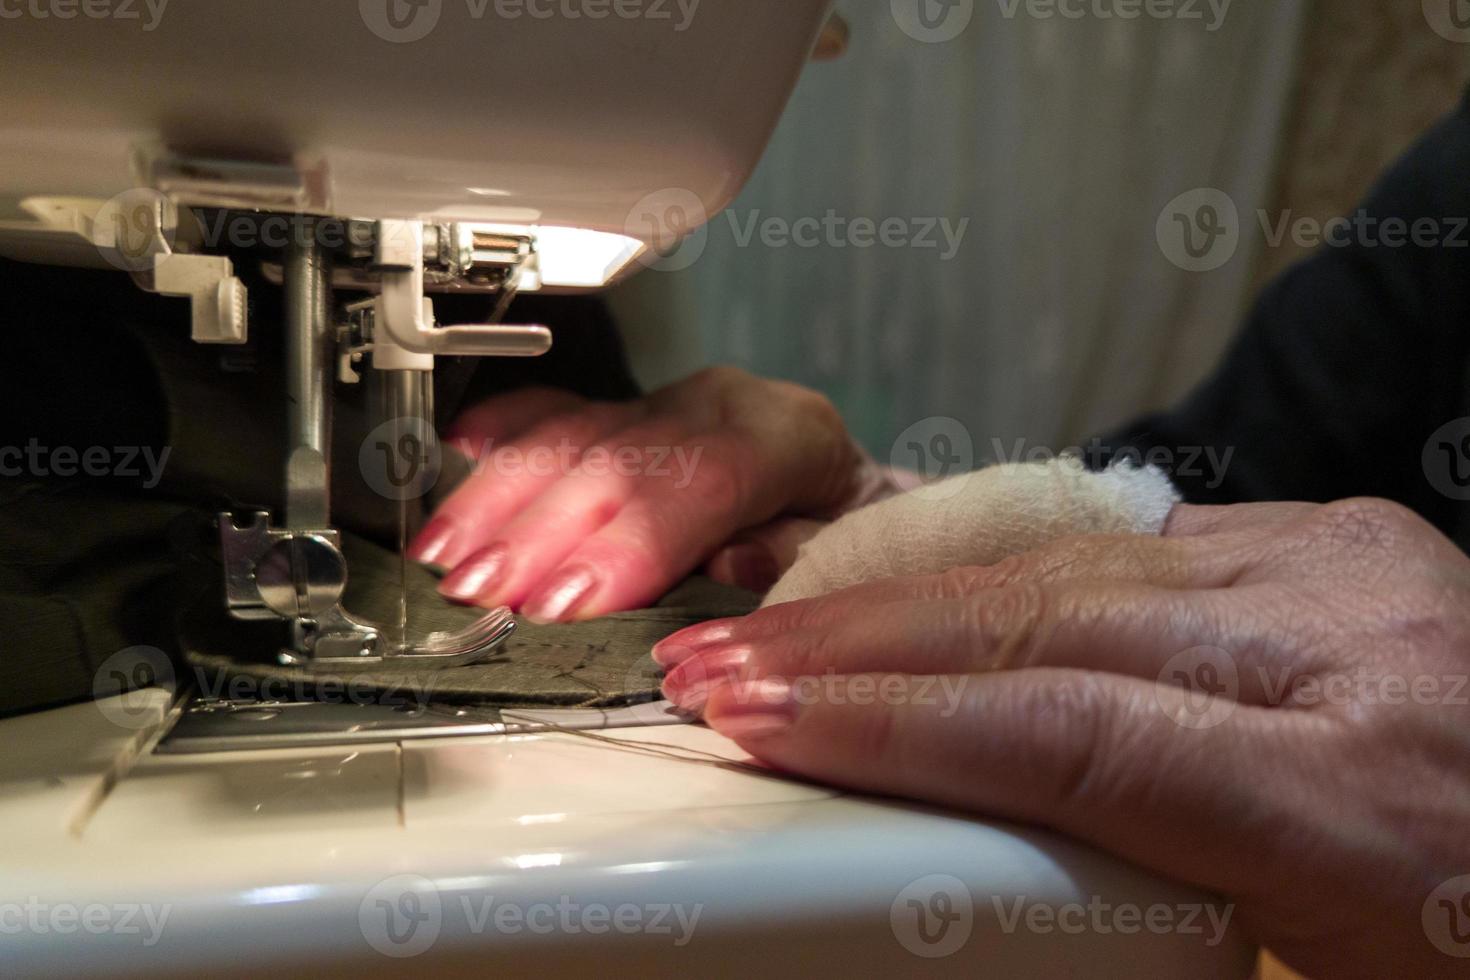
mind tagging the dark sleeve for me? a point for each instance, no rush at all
(1348, 362)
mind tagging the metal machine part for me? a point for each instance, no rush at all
(206, 724)
(297, 572)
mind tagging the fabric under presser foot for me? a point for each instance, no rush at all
(601, 663)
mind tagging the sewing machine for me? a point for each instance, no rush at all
(409, 148)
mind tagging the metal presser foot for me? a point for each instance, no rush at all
(300, 576)
(297, 572)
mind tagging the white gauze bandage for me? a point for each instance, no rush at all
(978, 518)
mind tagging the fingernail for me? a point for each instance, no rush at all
(432, 543)
(752, 567)
(561, 598)
(749, 710)
(476, 574)
(689, 684)
(678, 647)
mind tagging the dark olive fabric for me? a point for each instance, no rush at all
(601, 663)
(92, 565)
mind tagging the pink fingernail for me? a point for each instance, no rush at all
(750, 710)
(433, 542)
(557, 601)
(689, 684)
(680, 646)
(477, 574)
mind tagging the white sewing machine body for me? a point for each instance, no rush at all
(540, 854)
(350, 859)
(432, 110)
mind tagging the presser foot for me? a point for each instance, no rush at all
(300, 576)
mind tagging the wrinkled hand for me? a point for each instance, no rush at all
(1269, 701)
(577, 509)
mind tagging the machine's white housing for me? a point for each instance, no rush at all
(514, 112)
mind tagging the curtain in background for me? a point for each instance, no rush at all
(1056, 144)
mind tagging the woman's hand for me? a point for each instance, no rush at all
(577, 509)
(1269, 701)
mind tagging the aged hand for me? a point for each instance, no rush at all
(1269, 701)
(578, 509)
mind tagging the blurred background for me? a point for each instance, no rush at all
(1066, 156)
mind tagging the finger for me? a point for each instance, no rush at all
(507, 416)
(1173, 563)
(668, 526)
(521, 554)
(1097, 757)
(507, 476)
(1214, 642)
(755, 559)
(1187, 520)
